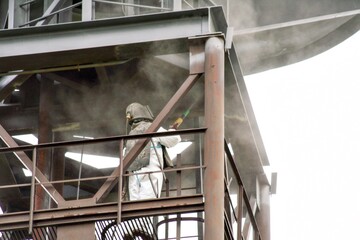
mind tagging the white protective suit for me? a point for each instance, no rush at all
(144, 186)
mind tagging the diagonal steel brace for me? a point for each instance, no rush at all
(27, 162)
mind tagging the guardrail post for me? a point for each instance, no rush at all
(240, 212)
(32, 191)
(263, 215)
(86, 14)
(120, 190)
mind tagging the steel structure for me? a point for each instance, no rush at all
(69, 68)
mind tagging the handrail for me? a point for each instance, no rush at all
(26, 3)
(51, 14)
(245, 195)
(137, 136)
(101, 140)
(120, 138)
(132, 5)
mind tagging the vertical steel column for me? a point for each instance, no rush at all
(11, 12)
(177, 5)
(4, 9)
(263, 215)
(178, 193)
(86, 14)
(58, 167)
(199, 175)
(240, 212)
(214, 139)
(19, 13)
(45, 135)
(120, 184)
(32, 192)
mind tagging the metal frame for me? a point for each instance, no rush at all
(60, 216)
(123, 33)
(242, 198)
(117, 38)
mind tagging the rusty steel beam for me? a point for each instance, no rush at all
(58, 166)
(165, 112)
(214, 138)
(44, 156)
(82, 214)
(26, 161)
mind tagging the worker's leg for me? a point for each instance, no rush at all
(134, 187)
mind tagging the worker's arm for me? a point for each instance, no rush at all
(168, 141)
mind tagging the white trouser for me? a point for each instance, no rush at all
(145, 186)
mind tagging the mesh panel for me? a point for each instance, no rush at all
(137, 228)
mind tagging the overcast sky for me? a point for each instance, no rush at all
(309, 118)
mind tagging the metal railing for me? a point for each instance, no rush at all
(240, 219)
(50, 15)
(89, 10)
(161, 3)
(240, 209)
(35, 181)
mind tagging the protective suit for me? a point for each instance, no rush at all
(147, 185)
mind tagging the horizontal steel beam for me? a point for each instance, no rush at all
(52, 45)
(79, 214)
(110, 32)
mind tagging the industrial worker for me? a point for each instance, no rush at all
(150, 159)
